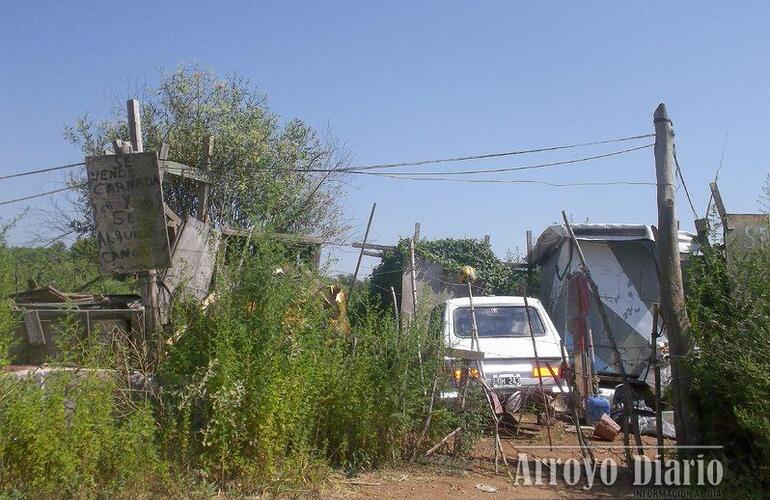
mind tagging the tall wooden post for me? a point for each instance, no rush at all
(203, 188)
(672, 308)
(148, 280)
(361, 253)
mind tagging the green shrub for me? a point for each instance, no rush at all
(729, 310)
(261, 388)
(495, 277)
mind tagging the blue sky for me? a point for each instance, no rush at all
(414, 80)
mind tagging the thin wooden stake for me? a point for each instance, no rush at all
(412, 265)
(446, 438)
(656, 372)
(203, 188)
(395, 308)
(539, 373)
(611, 336)
(361, 253)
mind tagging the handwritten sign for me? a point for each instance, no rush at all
(126, 195)
(746, 232)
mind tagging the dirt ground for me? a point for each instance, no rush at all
(444, 477)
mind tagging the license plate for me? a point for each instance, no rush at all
(506, 380)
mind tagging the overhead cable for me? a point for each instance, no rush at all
(495, 155)
(501, 169)
(47, 193)
(41, 170)
(684, 184)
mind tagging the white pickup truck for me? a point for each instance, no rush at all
(504, 339)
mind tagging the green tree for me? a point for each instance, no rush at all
(259, 165)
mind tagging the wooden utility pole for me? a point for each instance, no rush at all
(148, 280)
(672, 308)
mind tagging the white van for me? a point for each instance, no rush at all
(503, 327)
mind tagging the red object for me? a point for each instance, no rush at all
(578, 291)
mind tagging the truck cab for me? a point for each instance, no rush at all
(508, 363)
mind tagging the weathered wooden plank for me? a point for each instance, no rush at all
(373, 246)
(125, 192)
(35, 334)
(193, 259)
(185, 171)
(244, 233)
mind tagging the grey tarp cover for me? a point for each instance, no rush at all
(621, 258)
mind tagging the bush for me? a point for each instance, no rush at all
(495, 277)
(65, 440)
(261, 389)
(729, 310)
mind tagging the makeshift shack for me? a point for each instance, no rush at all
(622, 261)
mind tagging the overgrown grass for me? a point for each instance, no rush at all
(261, 386)
(64, 439)
(258, 392)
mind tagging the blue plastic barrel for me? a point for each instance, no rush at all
(596, 406)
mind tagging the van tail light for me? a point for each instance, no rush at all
(545, 371)
(460, 374)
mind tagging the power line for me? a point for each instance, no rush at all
(388, 165)
(493, 155)
(509, 169)
(41, 170)
(684, 184)
(47, 193)
(523, 181)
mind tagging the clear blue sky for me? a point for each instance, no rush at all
(413, 80)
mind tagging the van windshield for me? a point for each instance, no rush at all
(497, 321)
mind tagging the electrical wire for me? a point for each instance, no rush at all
(495, 155)
(495, 170)
(522, 181)
(47, 193)
(41, 170)
(391, 165)
(684, 184)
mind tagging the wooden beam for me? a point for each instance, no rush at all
(121, 146)
(373, 246)
(370, 253)
(719, 204)
(185, 171)
(135, 125)
(244, 233)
